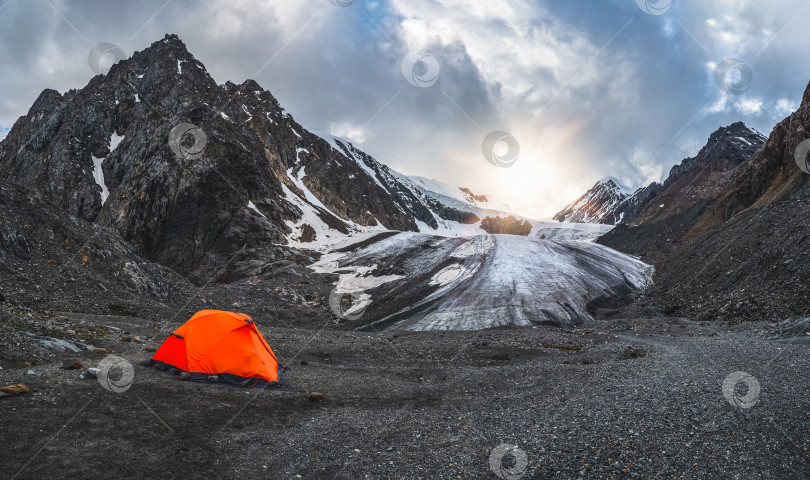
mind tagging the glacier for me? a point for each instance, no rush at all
(429, 282)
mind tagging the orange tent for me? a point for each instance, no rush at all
(218, 346)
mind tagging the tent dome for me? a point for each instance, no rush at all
(215, 345)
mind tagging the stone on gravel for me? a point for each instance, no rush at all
(316, 396)
(185, 376)
(630, 352)
(72, 363)
(14, 390)
(58, 344)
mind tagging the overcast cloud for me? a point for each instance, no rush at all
(588, 87)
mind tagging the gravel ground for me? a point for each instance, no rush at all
(640, 398)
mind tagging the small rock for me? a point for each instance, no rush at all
(16, 389)
(31, 372)
(631, 353)
(186, 376)
(72, 363)
(316, 396)
(92, 372)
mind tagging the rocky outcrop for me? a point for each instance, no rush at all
(629, 208)
(52, 261)
(471, 197)
(509, 225)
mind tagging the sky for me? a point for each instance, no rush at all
(578, 89)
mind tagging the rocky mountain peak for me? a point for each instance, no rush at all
(597, 205)
(735, 130)
(613, 184)
(169, 46)
(726, 148)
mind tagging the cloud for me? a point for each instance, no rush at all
(785, 107)
(749, 106)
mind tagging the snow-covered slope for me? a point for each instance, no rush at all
(436, 208)
(463, 195)
(440, 283)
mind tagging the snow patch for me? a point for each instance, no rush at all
(331, 140)
(353, 279)
(98, 176)
(298, 151)
(115, 140)
(446, 275)
(473, 247)
(299, 182)
(252, 206)
(98, 172)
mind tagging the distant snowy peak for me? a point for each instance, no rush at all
(598, 204)
(614, 183)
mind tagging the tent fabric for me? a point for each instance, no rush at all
(216, 345)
